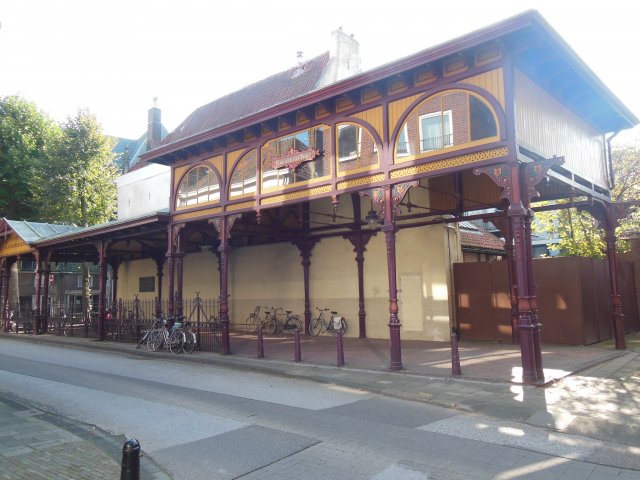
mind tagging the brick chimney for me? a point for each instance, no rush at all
(154, 126)
(344, 59)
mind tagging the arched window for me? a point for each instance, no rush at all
(296, 158)
(243, 180)
(199, 185)
(447, 120)
(356, 147)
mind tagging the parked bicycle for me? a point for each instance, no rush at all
(251, 323)
(169, 336)
(291, 322)
(336, 324)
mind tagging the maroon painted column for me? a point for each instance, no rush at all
(159, 266)
(102, 282)
(388, 198)
(170, 271)
(38, 291)
(305, 245)
(115, 265)
(394, 321)
(359, 241)
(505, 228)
(5, 290)
(616, 299)
(525, 325)
(179, 266)
(44, 312)
(224, 225)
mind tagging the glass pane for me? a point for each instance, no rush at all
(483, 124)
(402, 147)
(243, 180)
(357, 148)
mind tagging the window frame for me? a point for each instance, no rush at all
(442, 114)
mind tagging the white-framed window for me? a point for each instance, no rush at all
(436, 131)
(403, 148)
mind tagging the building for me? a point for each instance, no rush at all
(357, 179)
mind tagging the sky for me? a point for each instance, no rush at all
(114, 57)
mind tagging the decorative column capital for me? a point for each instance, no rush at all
(397, 193)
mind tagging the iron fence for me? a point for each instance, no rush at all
(128, 321)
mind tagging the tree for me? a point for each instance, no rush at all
(26, 138)
(578, 233)
(79, 183)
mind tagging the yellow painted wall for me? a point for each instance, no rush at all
(267, 275)
(272, 275)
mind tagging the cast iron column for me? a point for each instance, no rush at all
(359, 241)
(102, 282)
(38, 291)
(159, 266)
(179, 266)
(616, 299)
(504, 224)
(388, 198)
(170, 270)
(305, 245)
(44, 312)
(5, 290)
(224, 225)
(115, 265)
(518, 188)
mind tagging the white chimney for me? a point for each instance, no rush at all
(344, 59)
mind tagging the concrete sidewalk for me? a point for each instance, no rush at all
(36, 445)
(596, 392)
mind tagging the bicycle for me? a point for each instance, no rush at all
(163, 337)
(290, 323)
(251, 323)
(189, 337)
(337, 323)
(269, 323)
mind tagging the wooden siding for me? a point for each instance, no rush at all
(13, 245)
(491, 81)
(373, 117)
(546, 126)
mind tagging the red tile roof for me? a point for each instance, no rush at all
(475, 238)
(274, 90)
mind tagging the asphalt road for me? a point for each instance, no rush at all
(207, 422)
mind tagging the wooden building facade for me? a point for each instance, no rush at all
(492, 121)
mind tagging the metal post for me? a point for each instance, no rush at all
(260, 342)
(296, 347)
(340, 348)
(130, 460)
(455, 355)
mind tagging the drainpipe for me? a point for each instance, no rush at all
(612, 180)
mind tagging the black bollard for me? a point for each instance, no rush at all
(340, 348)
(130, 460)
(260, 343)
(296, 349)
(455, 355)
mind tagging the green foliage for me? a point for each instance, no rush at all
(78, 184)
(26, 137)
(577, 231)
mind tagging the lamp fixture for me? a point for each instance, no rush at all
(372, 219)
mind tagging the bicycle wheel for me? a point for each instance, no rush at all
(270, 326)
(176, 341)
(296, 322)
(155, 340)
(251, 324)
(316, 327)
(189, 342)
